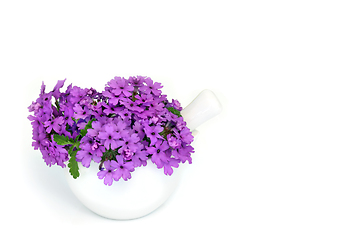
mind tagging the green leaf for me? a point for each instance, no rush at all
(83, 132)
(76, 146)
(73, 166)
(75, 120)
(77, 138)
(72, 153)
(62, 140)
(174, 111)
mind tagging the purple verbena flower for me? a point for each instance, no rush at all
(158, 153)
(125, 114)
(157, 105)
(54, 124)
(68, 115)
(108, 173)
(65, 131)
(98, 149)
(183, 153)
(34, 107)
(133, 106)
(126, 153)
(76, 94)
(96, 128)
(40, 140)
(123, 169)
(169, 165)
(144, 100)
(152, 132)
(36, 123)
(56, 90)
(57, 153)
(86, 154)
(176, 104)
(121, 125)
(113, 99)
(185, 135)
(80, 112)
(140, 157)
(139, 130)
(180, 124)
(48, 158)
(173, 141)
(120, 85)
(109, 109)
(136, 81)
(130, 141)
(110, 137)
(151, 87)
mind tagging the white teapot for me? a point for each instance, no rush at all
(148, 187)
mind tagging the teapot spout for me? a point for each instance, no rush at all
(204, 107)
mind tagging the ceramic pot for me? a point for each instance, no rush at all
(148, 187)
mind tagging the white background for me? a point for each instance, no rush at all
(280, 162)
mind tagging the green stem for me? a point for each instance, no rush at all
(57, 104)
(134, 94)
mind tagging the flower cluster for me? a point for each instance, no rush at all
(119, 129)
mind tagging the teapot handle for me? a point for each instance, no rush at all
(204, 107)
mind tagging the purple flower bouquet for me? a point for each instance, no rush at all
(119, 129)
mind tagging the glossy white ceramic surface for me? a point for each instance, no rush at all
(204, 107)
